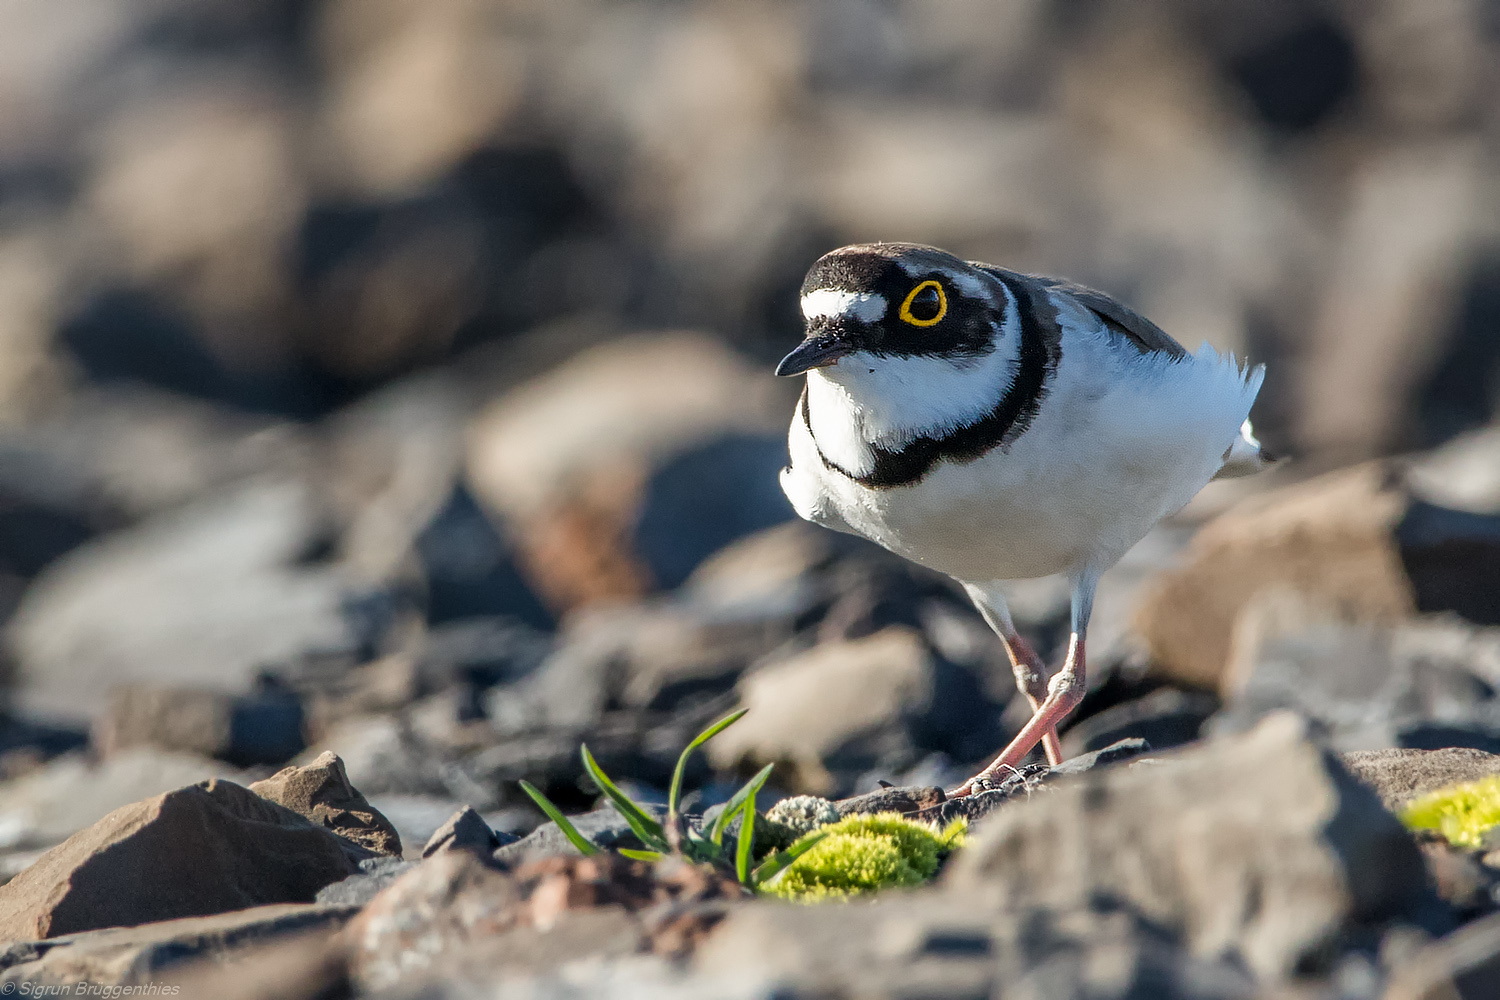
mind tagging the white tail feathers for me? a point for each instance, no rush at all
(1245, 456)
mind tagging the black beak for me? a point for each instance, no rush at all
(818, 351)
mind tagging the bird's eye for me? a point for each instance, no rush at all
(926, 304)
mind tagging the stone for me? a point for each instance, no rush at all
(455, 911)
(262, 727)
(1400, 775)
(623, 422)
(1167, 717)
(204, 849)
(950, 942)
(604, 827)
(895, 799)
(1332, 536)
(321, 791)
(305, 966)
(842, 707)
(63, 796)
(358, 889)
(1425, 684)
(470, 567)
(1359, 541)
(1025, 781)
(1271, 852)
(1463, 965)
(206, 595)
(1120, 750)
(465, 830)
(150, 952)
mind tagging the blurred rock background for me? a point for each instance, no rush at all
(393, 378)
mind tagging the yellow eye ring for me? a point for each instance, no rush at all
(906, 315)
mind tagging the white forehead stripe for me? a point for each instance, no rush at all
(827, 302)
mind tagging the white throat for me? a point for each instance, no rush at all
(865, 400)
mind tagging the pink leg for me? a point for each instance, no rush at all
(1063, 695)
(1031, 678)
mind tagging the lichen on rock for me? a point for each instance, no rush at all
(863, 854)
(1461, 813)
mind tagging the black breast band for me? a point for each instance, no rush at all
(1041, 349)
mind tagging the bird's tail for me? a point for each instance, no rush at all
(1245, 456)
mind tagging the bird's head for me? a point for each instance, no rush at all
(877, 307)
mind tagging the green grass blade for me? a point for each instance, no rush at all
(778, 862)
(642, 855)
(578, 840)
(647, 829)
(675, 792)
(752, 787)
(747, 841)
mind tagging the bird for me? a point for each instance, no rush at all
(993, 426)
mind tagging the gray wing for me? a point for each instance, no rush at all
(1122, 321)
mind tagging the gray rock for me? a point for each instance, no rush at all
(139, 955)
(893, 799)
(204, 596)
(1165, 718)
(834, 711)
(1259, 847)
(1423, 685)
(465, 830)
(1398, 776)
(261, 727)
(604, 827)
(1116, 752)
(358, 889)
(1022, 782)
(1464, 965)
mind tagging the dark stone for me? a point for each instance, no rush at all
(470, 567)
(910, 799)
(358, 889)
(1299, 76)
(705, 498)
(1453, 560)
(465, 830)
(1167, 717)
(1112, 754)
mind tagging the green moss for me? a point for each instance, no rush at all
(1462, 813)
(865, 853)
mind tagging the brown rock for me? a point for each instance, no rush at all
(203, 849)
(321, 792)
(1333, 536)
(1398, 776)
(902, 799)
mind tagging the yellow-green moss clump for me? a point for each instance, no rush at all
(1462, 813)
(866, 853)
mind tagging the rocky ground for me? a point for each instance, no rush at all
(374, 601)
(385, 411)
